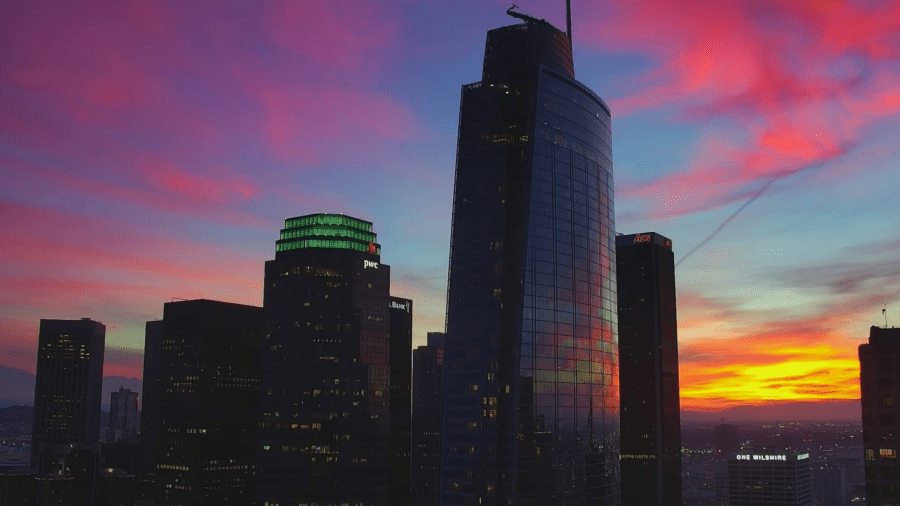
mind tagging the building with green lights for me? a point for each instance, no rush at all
(326, 405)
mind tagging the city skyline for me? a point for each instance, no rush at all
(158, 161)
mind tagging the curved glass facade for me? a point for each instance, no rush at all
(531, 396)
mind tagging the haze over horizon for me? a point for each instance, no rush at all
(151, 150)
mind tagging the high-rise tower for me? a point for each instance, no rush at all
(531, 398)
(325, 433)
(428, 367)
(203, 414)
(65, 440)
(770, 477)
(401, 315)
(879, 383)
(123, 415)
(68, 384)
(648, 356)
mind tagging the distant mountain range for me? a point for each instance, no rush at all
(17, 387)
(822, 411)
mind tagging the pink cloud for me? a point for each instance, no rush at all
(123, 362)
(99, 65)
(304, 125)
(218, 186)
(93, 56)
(71, 246)
(761, 67)
(168, 188)
(335, 33)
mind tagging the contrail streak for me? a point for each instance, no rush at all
(733, 215)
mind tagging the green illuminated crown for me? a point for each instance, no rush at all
(328, 231)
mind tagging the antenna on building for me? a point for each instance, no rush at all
(524, 17)
(884, 312)
(569, 20)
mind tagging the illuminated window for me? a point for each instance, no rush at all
(888, 400)
(870, 454)
(887, 453)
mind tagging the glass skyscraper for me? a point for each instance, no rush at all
(531, 396)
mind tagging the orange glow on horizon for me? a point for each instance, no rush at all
(726, 371)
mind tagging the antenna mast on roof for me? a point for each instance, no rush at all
(524, 17)
(569, 20)
(884, 312)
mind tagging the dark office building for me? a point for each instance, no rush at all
(531, 397)
(122, 455)
(68, 476)
(18, 488)
(118, 488)
(761, 477)
(150, 393)
(727, 441)
(401, 314)
(204, 410)
(325, 432)
(68, 385)
(428, 366)
(648, 371)
(879, 371)
(123, 415)
(65, 448)
(829, 485)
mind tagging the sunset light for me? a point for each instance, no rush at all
(151, 151)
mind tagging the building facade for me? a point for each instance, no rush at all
(428, 367)
(770, 478)
(150, 393)
(727, 440)
(123, 415)
(401, 316)
(325, 434)
(68, 384)
(648, 371)
(531, 399)
(203, 452)
(879, 373)
(65, 446)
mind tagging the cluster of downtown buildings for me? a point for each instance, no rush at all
(555, 381)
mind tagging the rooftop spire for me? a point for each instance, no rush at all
(524, 17)
(569, 20)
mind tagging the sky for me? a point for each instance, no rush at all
(150, 151)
